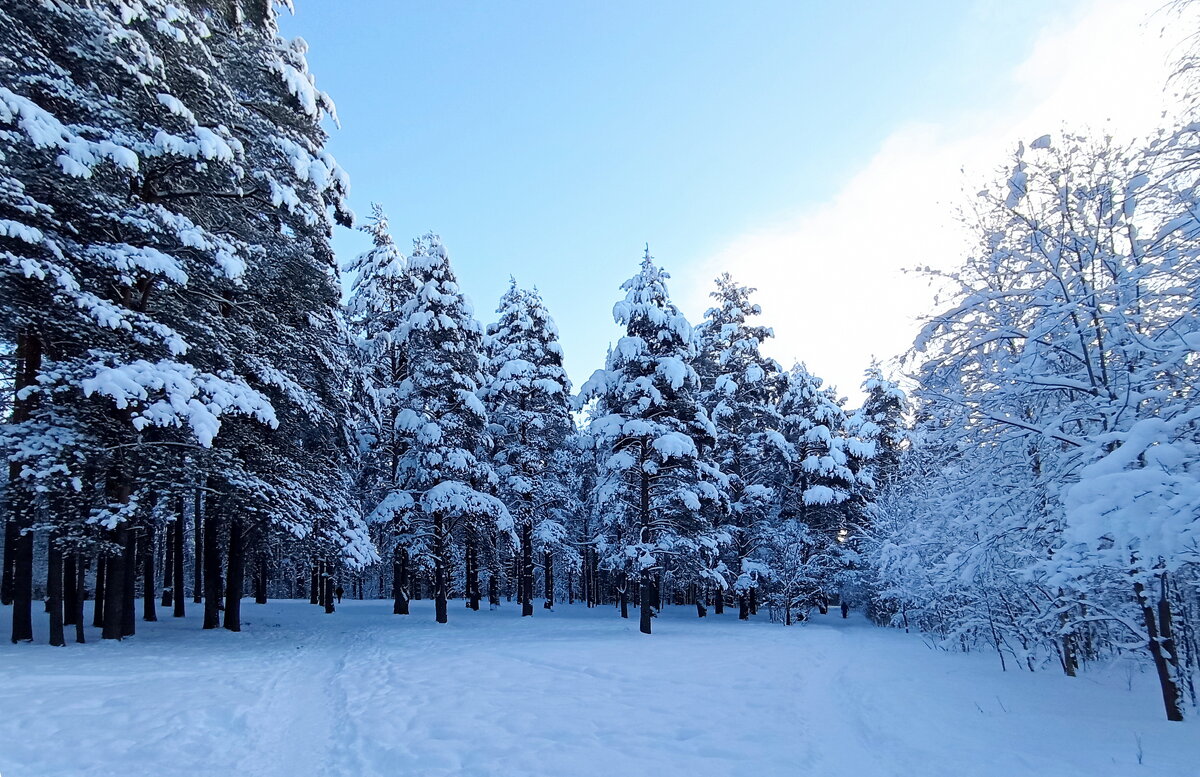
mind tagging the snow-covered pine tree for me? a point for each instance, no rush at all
(881, 420)
(109, 281)
(449, 486)
(821, 486)
(741, 390)
(657, 487)
(291, 335)
(528, 403)
(380, 288)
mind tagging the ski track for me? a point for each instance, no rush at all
(363, 693)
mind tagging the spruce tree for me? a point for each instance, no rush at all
(658, 489)
(527, 398)
(451, 507)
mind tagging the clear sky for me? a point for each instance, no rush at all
(812, 149)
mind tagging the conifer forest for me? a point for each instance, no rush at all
(443, 556)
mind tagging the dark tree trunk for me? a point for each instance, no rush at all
(1159, 631)
(719, 601)
(177, 564)
(623, 592)
(129, 586)
(22, 589)
(235, 575)
(198, 588)
(169, 529)
(700, 593)
(548, 560)
(262, 571)
(148, 578)
(54, 591)
(101, 591)
(754, 600)
(212, 570)
(494, 589)
(647, 596)
(527, 568)
(70, 592)
(743, 607)
(11, 534)
(114, 589)
(439, 570)
(78, 583)
(400, 582)
(326, 588)
(314, 588)
(473, 574)
(20, 516)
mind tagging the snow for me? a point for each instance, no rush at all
(571, 692)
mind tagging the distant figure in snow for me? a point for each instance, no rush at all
(338, 593)
(845, 609)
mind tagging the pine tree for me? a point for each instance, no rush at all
(380, 289)
(658, 489)
(450, 504)
(822, 484)
(741, 392)
(527, 399)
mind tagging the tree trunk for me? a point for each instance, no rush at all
(114, 589)
(148, 578)
(494, 589)
(54, 591)
(719, 601)
(101, 591)
(262, 571)
(79, 583)
(235, 574)
(129, 566)
(754, 600)
(743, 607)
(212, 570)
(198, 541)
(70, 592)
(623, 594)
(22, 588)
(439, 570)
(177, 563)
(11, 533)
(472, 576)
(1158, 651)
(28, 366)
(527, 568)
(548, 561)
(169, 529)
(326, 588)
(400, 581)
(647, 596)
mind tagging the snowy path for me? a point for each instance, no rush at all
(363, 693)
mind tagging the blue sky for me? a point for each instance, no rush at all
(550, 140)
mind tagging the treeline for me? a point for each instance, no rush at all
(191, 407)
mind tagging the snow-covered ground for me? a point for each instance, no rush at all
(574, 692)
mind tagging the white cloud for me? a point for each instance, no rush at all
(831, 278)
